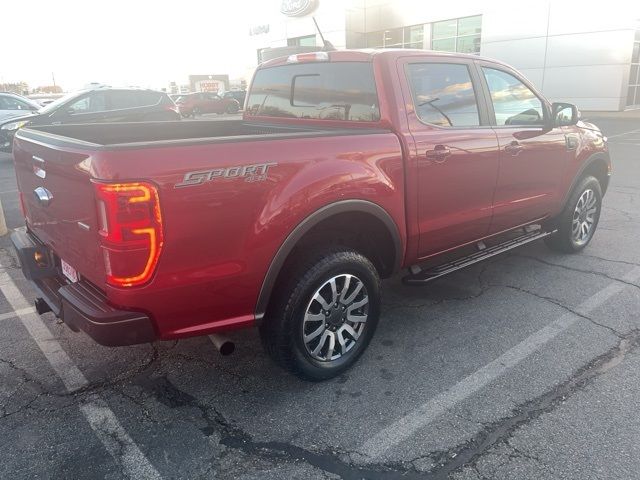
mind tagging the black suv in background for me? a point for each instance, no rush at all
(238, 95)
(102, 104)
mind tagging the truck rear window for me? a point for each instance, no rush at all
(320, 91)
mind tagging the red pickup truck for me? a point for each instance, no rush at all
(346, 167)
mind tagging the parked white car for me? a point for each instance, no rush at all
(12, 105)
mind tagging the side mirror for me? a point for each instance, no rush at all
(564, 114)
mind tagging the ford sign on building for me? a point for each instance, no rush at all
(298, 8)
(586, 56)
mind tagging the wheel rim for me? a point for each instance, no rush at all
(584, 217)
(335, 318)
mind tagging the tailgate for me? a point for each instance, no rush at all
(67, 222)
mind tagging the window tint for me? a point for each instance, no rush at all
(94, 102)
(336, 91)
(121, 99)
(514, 103)
(444, 94)
(11, 103)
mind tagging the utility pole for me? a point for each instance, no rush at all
(53, 78)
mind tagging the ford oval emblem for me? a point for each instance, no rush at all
(298, 8)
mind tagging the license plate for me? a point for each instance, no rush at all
(69, 271)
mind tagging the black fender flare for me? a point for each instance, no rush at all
(596, 157)
(343, 206)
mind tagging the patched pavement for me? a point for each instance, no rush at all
(525, 366)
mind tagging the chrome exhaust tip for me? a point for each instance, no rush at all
(222, 344)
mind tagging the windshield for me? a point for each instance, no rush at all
(60, 101)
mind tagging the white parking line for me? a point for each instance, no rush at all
(624, 133)
(100, 417)
(17, 313)
(426, 413)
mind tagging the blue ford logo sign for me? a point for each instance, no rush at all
(298, 8)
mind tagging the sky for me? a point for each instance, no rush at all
(146, 43)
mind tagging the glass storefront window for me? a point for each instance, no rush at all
(393, 38)
(469, 25)
(457, 35)
(444, 45)
(445, 29)
(306, 41)
(414, 36)
(469, 44)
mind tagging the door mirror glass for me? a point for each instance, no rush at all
(565, 114)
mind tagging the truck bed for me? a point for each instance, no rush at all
(141, 134)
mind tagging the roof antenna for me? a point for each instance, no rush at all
(327, 45)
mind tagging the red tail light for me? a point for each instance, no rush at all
(130, 225)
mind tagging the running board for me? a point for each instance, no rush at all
(426, 276)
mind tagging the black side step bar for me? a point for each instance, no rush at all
(426, 276)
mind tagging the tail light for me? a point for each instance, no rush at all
(130, 227)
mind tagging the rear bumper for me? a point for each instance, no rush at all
(80, 305)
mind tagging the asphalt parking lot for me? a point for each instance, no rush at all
(526, 366)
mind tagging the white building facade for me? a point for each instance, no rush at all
(573, 51)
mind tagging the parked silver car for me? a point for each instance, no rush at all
(12, 105)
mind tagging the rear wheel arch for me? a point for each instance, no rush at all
(362, 213)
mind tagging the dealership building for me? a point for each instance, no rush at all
(570, 51)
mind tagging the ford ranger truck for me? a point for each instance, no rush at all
(346, 167)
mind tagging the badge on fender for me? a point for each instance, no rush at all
(250, 173)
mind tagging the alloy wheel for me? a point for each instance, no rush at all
(335, 317)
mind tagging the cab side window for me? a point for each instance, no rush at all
(513, 102)
(444, 94)
(10, 103)
(92, 103)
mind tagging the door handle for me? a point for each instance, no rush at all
(439, 153)
(514, 148)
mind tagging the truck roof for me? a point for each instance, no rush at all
(368, 54)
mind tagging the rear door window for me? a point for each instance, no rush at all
(122, 99)
(91, 103)
(444, 94)
(320, 91)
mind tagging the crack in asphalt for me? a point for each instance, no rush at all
(611, 260)
(501, 431)
(445, 463)
(234, 437)
(575, 269)
(558, 303)
(25, 378)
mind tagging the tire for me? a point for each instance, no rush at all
(195, 111)
(231, 109)
(582, 211)
(297, 311)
